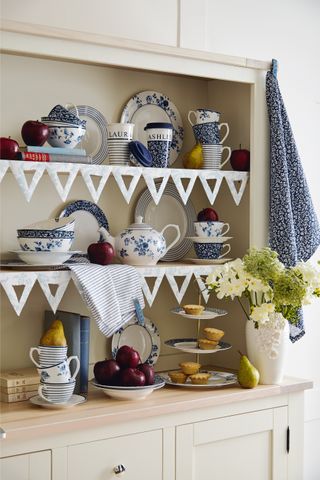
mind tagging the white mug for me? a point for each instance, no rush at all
(48, 355)
(211, 228)
(56, 392)
(59, 373)
(120, 131)
(203, 115)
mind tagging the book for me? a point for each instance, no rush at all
(77, 333)
(49, 157)
(23, 376)
(19, 389)
(55, 150)
(17, 397)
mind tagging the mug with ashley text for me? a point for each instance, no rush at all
(159, 137)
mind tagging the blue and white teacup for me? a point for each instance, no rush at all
(211, 251)
(203, 115)
(48, 355)
(45, 240)
(159, 137)
(208, 133)
(56, 392)
(211, 229)
(60, 373)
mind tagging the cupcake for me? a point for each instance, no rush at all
(177, 376)
(213, 333)
(190, 368)
(193, 309)
(200, 378)
(206, 344)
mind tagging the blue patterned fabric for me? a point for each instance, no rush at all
(293, 225)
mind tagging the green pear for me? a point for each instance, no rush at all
(248, 375)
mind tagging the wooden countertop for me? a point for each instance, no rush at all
(22, 416)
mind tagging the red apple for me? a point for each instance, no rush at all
(131, 377)
(34, 133)
(127, 357)
(106, 372)
(240, 160)
(8, 148)
(208, 214)
(148, 372)
(101, 253)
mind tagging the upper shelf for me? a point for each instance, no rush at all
(20, 169)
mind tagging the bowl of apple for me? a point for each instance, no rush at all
(125, 377)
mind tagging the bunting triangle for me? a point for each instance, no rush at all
(178, 175)
(8, 282)
(19, 170)
(119, 173)
(231, 179)
(68, 168)
(152, 178)
(61, 279)
(202, 288)
(179, 292)
(102, 171)
(4, 165)
(150, 294)
(205, 176)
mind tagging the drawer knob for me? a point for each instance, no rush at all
(119, 469)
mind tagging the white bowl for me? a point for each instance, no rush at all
(65, 137)
(130, 393)
(63, 223)
(44, 258)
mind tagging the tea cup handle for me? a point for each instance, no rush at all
(228, 250)
(77, 366)
(40, 388)
(189, 115)
(34, 349)
(226, 230)
(228, 157)
(227, 131)
(68, 106)
(177, 237)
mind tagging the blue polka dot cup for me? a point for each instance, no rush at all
(209, 133)
(159, 137)
(211, 251)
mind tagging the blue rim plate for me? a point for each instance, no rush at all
(217, 379)
(207, 314)
(142, 109)
(189, 345)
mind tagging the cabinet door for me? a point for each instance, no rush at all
(33, 466)
(140, 454)
(251, 445)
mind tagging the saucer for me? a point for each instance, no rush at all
(43, 257)
(209, 239)
(208, 261)
(74, 400)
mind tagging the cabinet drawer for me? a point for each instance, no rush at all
(140, 454)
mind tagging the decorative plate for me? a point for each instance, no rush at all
(148, 106)
(130, 393)
(89, 218)
(208, 261)
(143, 338)
(217, 379)
(190, 345)
(209, 239)
(95, 140)
(44, 258)
(169, 210)
(74, 400)
(207, 314)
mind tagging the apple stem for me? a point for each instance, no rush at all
(240, 146)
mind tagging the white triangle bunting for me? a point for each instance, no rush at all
(202, 288)
(231, 178)
(61, 279)
(119, 173)
(177, 176)
(9, 281)
(70, 169)
(19, 170)
(102, 171)
(207, 175)
(4, 165)
(150, 294)
(152, 178)
(179, 292)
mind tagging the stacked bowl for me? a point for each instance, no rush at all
(66, 130)
(209, 241)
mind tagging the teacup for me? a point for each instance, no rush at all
(211, 229)
(56, 392)
(159, 137)
(208, 133)
(211, 251)
(212, 156)
(59, 373)
(203, 115)
(48, 355)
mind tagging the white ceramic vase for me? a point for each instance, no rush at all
(267, 350)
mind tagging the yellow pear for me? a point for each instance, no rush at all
(194, 158)
(54, 336)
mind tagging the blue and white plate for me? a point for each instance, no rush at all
(89, 218)
(207, 314)
(148, 106)
(217, 379)
(95, 141)
(145, 339)
(169, 210)
(190, 345)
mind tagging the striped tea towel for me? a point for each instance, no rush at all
(294, 227)
(108, 292)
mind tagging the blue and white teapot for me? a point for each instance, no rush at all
(140, 244)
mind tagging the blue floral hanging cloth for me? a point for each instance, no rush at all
(293, 226)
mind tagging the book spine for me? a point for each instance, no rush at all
(18, 381)
(84, 353)
(56, 150)
(17, 397)
(20, 389)
(48, 157)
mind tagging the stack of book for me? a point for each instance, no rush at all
(18, 385)
(54, 154)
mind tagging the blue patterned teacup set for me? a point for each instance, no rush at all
(66, 129)
(209, 242)
(206, 130)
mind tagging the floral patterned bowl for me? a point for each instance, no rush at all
(45, 240)
(65, 136)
